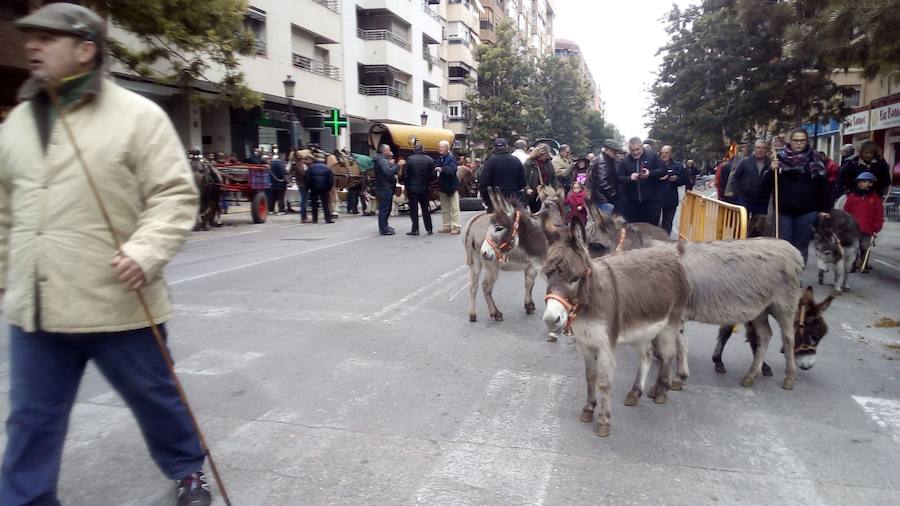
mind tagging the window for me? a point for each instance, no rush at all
(851, 96)
(454, 111)
(255, 22)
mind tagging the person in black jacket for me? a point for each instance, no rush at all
(639, 175)
(385, 183)
(802, 189)
(418, 174)
(602, 181)
(675, 175)
(869, 159)
(503, 172)
(747, 180)
(319, 181)
(279, 184)
(448, 186)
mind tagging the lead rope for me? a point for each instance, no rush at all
(157, 335)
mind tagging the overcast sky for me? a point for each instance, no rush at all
(619, 40)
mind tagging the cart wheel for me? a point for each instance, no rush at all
(259, 207)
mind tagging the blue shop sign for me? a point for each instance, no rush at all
(832, 127)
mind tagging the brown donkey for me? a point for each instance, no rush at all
(637, 298)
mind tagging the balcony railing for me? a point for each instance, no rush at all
(333, 5)
(432, 14)
(434, 104)
(434, 60)
(382, 35)
(384, 90)
(260, 47)
(316, 67)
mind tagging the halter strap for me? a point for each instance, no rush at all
(500, 250)
(571, 309)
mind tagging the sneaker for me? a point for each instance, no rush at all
(281, 213)
(193, 490)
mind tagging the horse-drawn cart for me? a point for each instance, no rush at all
(247, 182)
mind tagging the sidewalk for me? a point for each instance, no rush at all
(886, 255)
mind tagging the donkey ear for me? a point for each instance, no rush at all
(577, 236)
(492, 195)
(822, 306)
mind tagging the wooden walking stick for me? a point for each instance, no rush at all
(775, 174)
(154, 328)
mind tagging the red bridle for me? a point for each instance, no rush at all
(500, 250)
(571, 309)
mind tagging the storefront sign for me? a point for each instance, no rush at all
(856, 123)
(273, 115)
(832, 127)
(886, 117)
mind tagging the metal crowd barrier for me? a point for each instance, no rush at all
(709, 219)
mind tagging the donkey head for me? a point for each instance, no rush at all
(828, 246)
(809, 328)
(553, 220)
(503, 229)
(568, 273)
(602, 232)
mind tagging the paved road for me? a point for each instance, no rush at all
(332, 366)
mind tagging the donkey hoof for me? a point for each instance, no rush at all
(720, 368)
(632, 398)
(497, 317)
(660, 398)
(602, 430)
(551, 338)
(677, 385)
(766, 370)
(587, 416)
(747, 382)
(473, 317)
(529, 307)
(788, 383)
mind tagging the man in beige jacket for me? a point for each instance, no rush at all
(68, 294)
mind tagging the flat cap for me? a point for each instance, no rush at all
(66, 18)
(613, 145)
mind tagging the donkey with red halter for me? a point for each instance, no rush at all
(637, 298)
(509, 239)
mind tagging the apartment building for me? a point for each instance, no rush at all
(458, 49)
(534, 22)
(568, 49)
(875, 114)
(392, 63)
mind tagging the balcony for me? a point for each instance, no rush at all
(333, 5)
(384, 91)
(316, 67)
(432, 14)
(261, 48)
(433, 104)
(434, 60)
(383, 35)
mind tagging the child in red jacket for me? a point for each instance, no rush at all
(867, 207)
(575, 201)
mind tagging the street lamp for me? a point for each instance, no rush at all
(424, 118)
(289, 85)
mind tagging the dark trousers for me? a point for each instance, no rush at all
(797, 230)
(417, 201)
(668, 215)
(644, 212)
(315, 196)
(45, 370)
(304, 202)
(353, 201)
(385, 200)
(276, 196)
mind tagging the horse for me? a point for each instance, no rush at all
(637, 298)
(509, 239)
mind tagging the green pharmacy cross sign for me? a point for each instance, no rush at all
(336, 122)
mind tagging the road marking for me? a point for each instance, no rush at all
(887, 264)
(268, 260)
(504, 452)
(885, 413)
(214, 362)
(270, 314)
(460, 291)
(399, 303)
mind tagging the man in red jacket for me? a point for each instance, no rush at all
(866, 206)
